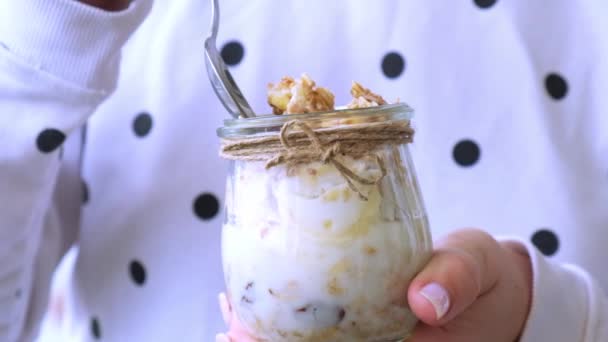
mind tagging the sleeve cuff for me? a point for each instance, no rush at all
(68, 39)
(560, 299)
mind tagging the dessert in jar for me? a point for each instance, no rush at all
(325, 226)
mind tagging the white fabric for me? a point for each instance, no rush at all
(470, 73)
(567, 303)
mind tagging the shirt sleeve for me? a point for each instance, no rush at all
(58, 61)
(568, 305)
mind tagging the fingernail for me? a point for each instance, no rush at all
(438, 296)
(221, 338)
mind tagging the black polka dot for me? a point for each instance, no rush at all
(85, 192)
(206, 206)
(484, 3)
(546, 241)
(95, 328)
(49, 140)
(466, 153)
(142, 124)
(138, 272)
(393, 65)
(232, 53)
(556, 86)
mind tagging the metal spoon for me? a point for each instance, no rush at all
(221, 80)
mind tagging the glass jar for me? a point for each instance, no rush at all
(318, 245)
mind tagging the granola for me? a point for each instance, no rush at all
(363, 97)
(291, 96)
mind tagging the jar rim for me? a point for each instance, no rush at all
(270, 122)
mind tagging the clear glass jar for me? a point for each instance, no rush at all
(308, 259)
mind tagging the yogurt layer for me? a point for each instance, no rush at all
(307, 259)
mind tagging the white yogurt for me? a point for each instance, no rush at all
(306, 259)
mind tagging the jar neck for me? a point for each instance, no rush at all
(272, 124)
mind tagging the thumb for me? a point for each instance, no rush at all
(462, 268)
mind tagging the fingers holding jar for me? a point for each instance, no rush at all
(473, 289)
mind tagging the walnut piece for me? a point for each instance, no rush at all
(291, 96)
(363, 97)
(296, 96)
(279, 95)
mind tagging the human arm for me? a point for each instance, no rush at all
(58, 61)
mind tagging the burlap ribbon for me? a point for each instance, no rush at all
(297, 143)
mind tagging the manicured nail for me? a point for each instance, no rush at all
(438, 296)
(221, 338)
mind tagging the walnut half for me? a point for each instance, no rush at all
(363, 97)
(291, 96)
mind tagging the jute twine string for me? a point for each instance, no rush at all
(297, 143)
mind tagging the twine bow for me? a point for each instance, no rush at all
(325, 153)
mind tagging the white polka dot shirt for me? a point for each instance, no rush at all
(110, 178)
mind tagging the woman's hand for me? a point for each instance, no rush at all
(473, 289)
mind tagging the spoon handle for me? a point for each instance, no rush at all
(222, 82)
(215, 19)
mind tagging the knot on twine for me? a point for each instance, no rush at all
(293, 147)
